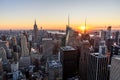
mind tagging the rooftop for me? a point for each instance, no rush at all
(53, 62)
(66, 48)
(98, 55)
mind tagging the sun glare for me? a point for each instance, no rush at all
(82, 28)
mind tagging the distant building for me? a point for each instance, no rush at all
(25, 51)
(54, 68)
(25, 57)
(72, 38)
(3, 55)
(70, 61)
(96, 44)
(102, 35)
(115, 50)
(111, 53)
(117, 37)
(1, 69)
(83, 60)
(97, 67)
(115, 68)
(102, 47)
(35, 33)
(109, 33)
(109, 43)
(56, 46)
(5, 45)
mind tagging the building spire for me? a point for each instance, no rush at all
(85, 27)
(68, 20)
(35, 21)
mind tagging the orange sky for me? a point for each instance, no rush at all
(21, 14)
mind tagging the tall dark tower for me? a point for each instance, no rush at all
(69, 59)
(68, 29)
(83, 59)
(35, 32)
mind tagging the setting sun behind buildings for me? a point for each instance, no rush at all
(81, 29)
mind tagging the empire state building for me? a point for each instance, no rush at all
(35, 33)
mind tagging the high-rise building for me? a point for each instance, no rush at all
(109, 34)
(117, 37)
(54, 68)
(35, 32)
(102, 47)
(96, 44)
(25, 57)
(102, 35)
(70, 61)
(115, 49)
(83, 60)
(1, 70)
(3, 55)
(25, 51)
(5, 45)
(109, 43)
(115, 68)
(97, 67)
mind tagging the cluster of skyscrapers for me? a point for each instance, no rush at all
(41, 55)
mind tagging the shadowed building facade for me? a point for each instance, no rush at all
(97, 67)
(83, 60)
(115, 68)
(70, 61)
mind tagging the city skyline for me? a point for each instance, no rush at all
(53, 14)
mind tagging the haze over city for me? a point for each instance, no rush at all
(53, 14)
(59, 40)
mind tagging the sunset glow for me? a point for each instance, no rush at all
(83, 28)
(52, 14)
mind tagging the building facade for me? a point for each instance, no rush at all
(83, 59)
(97, 67)
(115, 68)
(70, 60)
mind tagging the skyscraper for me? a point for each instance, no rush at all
(117, 37)
(25, 57)
(109, 32)
(97, 67)
(3, 55)
(35, 32)
(115, 68)
(70, 60)
(83, 60)
(1, 69)
(102, 47)
(25, 51)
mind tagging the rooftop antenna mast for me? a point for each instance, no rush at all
(68, 21)
(35, 21)
(85, 27)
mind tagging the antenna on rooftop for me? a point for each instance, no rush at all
(85, 27)
(68, 20)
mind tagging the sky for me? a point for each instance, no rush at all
(53, 14)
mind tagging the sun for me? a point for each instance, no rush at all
(82, 28)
